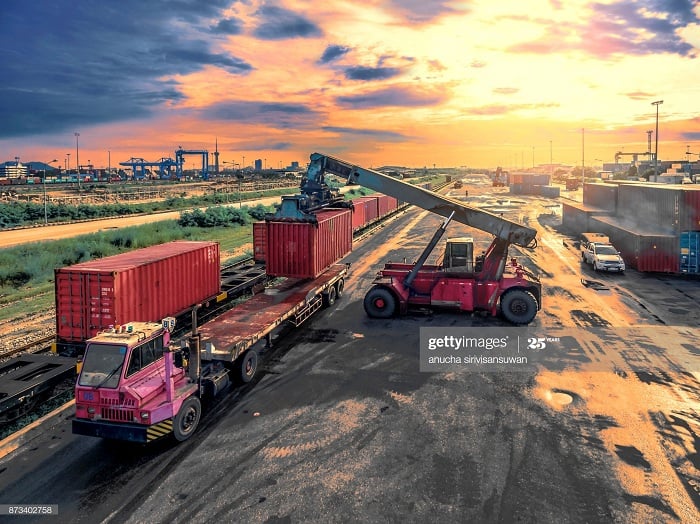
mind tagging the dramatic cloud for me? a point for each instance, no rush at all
(67, 64)
(386, 136)
(280, 24)
(631, 27)
(503, 109)
(391, 97)
(273, 114)
(639, 95)
(421, 12)
(371, 73)
(333, 52)
(228, 26)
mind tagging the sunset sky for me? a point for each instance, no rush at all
(377, 82)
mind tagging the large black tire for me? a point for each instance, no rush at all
(339, 287)
(380, 303)
(187, 419)
(518, 306)
(330, 296)
(248, 366)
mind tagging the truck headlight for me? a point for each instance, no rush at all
(91, 410)
(145, 415)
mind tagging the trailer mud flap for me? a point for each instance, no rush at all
(127, 432)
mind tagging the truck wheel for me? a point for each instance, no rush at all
(339, 287)
(248, 366)
(519, 306)
(379, 303)
(187, 419)
(329, 297)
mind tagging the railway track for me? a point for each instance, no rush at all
(20, 391)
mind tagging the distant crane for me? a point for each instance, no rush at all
(179, 160)
(634, 156)
(139, 167)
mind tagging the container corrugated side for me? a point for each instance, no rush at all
(642, 250)
(576, 217)
(649, 204)
(600, 195)
(690, 210)
(690, 252)
(259, 241)
(305, 250)
(142, 285)
(358, 214)
(384, 205)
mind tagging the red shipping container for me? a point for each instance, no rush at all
(142, 285)
(383, 203)
(368, 212)
(259, 241)
(690, 211)
(304, 249)
(358, 214)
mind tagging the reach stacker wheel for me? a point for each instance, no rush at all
(519, 306)
(187, 419)
(380, 303)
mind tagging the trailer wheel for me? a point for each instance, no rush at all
(380, 303)
(339, 287)
(187, 419)
(519, 306)
(248, 366)
(330, 296)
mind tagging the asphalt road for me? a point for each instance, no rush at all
(341, 426)
(40, 233)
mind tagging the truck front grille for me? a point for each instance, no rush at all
(118, 415)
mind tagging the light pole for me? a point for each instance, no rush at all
(583, 158)
(46, 214)
(656, 147)
(68, 168)
(77, 158)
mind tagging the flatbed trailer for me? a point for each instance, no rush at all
(138, 398)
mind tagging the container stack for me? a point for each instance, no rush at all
(656, 227)
(537, 184)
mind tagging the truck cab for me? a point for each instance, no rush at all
(130, 386)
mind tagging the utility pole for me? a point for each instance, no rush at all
(46, 213)
(77, 158)
(656, 148)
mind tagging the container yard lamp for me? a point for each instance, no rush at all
(656, 147)
(46, 214)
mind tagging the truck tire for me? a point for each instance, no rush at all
(518, 306)
(248, 366)
(187, 419)
(339, 287)
(330, 296)
(380, 303)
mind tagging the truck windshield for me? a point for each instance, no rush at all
(102, 365)
(606, 250)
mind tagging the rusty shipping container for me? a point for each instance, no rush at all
(690, 211)
(386, 204)
(142, 285)
(304, 249)
(259, 241)
(365, 210)
(600, 195)
(643, 250)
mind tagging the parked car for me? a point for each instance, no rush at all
(597, 251)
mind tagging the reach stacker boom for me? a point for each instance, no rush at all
(489, 282)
